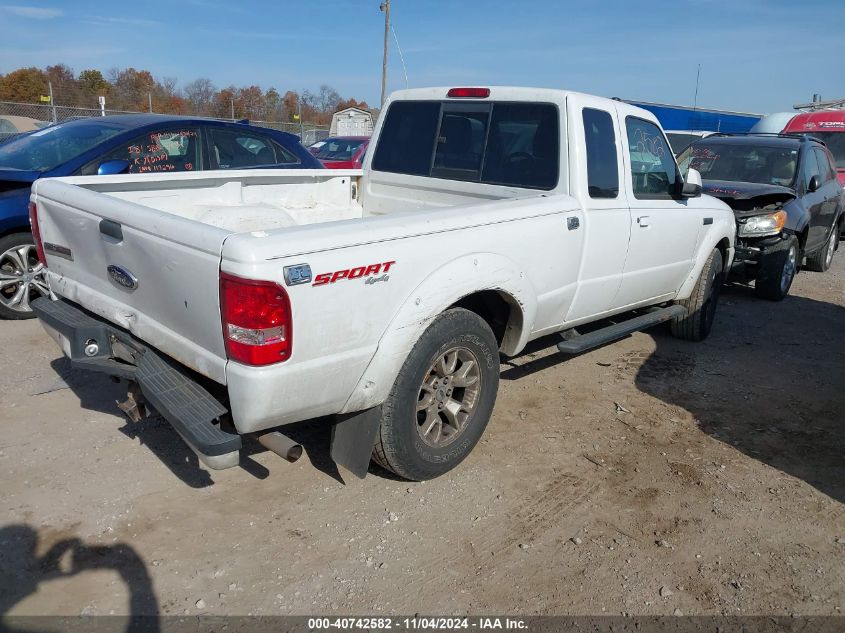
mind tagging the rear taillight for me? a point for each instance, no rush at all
(257, 323)
(36, 232)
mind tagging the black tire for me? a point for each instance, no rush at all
(701, 305)
(400, 446)
(14, 249)
(820, 261)
(777, 270)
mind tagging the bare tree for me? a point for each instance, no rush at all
(200, 95)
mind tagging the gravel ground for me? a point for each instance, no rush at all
(651, 476)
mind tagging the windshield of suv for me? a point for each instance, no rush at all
(681, 140)
(48, 148)
(835, 142)
(768, 165)
(338, 149)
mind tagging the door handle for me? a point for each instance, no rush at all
(642, 221)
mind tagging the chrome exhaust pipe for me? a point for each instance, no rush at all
(280, 444)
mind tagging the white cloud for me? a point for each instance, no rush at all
(105, 20)
(36, 13)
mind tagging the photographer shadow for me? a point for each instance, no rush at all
(22, 572)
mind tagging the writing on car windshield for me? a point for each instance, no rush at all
(742, 163)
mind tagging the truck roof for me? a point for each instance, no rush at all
(825, 120)
(514, 93)
(497, 93)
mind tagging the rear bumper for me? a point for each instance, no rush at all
(96, 345)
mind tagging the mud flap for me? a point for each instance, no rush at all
(353, 439)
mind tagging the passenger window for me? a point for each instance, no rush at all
(407, 138)
(523, 148)
(810, 168)
(827, 170)
(602, 162)
(159, 151)
(653, 169)
(460, 144)
(235, 149)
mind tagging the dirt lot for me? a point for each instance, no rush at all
(646, 477)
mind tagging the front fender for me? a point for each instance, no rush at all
(447, 285)
(723, 231)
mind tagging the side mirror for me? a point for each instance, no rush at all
(111, 167)
(815, 183)
(692, 186)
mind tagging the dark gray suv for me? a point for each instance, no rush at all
(786, 197)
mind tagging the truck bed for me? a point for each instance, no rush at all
(239, 202)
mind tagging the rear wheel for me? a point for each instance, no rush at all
(701, 305)
(777, 270)
(820, 262)
(442, 399)
(21, 276)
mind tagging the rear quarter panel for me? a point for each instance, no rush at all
(351, 337)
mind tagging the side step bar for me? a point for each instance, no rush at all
(582, 342)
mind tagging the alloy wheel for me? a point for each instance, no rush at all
(21, 278)
(448, 397)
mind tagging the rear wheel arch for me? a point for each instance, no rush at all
(502, 312)
(453, 285)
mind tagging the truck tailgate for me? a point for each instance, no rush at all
(111, 257)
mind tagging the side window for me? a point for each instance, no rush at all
(233, 149)
(159, 151)
(653, 168)
(407, 138)
(810, 168)
(602, 162)
(827, 170)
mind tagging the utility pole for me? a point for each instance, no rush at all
(232, 102)
(150, 99)
(385, 6)
(299, 114)
(52, 102)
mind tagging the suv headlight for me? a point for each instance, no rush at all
(761, 225)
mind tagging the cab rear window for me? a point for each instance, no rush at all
(513, 144)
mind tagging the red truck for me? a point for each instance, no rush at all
(828, 126)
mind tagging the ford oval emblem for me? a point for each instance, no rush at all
(123, 277)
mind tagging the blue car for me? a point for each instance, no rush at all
(136, 144)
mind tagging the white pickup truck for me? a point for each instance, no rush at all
(237, 302)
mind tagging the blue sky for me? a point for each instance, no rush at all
(755, 55)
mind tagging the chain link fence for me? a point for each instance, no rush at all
(48, 114)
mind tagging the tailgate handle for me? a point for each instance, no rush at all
(112, 229)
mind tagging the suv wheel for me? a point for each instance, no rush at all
(777, 270)
(820, 262)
